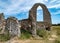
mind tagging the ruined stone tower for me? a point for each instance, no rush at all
(32, 16)
(12, 25)
(2, 23)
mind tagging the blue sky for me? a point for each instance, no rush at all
(20, 9)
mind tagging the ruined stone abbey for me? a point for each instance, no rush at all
(14, 26)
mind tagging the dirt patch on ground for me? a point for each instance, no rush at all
(16, 40)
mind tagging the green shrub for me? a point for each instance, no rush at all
(25, 34)
(0, 29)
(43, 33)
(4, 37)
(57, 41)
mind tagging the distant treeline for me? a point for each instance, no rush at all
(55, 24)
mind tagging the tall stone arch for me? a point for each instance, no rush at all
(32, 16)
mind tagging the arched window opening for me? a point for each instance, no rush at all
(39, 14)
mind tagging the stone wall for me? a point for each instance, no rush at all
(43, 25)
(12, 25)
(26, 24)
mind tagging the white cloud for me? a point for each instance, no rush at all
(54, 6)
(52, 1)
(17, 6)
(46, 0)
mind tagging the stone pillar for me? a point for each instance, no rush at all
(12, 25)
(32, 16)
